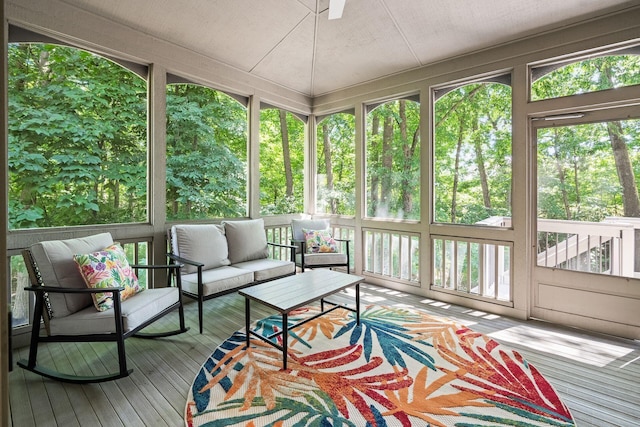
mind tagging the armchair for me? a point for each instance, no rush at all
(73, 311)
(316, 257)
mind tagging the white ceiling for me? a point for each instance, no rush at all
(293, 44)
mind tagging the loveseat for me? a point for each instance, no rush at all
(220, 259)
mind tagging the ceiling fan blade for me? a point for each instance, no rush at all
(335, 8)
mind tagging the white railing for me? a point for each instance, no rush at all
(479, 268)
(392, 255)
(606, 247)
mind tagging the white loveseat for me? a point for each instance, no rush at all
(219, 259)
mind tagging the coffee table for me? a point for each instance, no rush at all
(289, 293)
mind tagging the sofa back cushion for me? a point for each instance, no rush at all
(247, 240)
(205, 243)
(55, 262)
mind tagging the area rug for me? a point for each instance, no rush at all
(399, 367)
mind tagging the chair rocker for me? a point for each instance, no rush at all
(306, 258)
(64, 302)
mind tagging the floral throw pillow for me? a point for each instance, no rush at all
(320, 241)
(108, 268)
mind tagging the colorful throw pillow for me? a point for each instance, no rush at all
(105, 269)
(320, 241)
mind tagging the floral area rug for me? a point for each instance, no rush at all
(400, 367)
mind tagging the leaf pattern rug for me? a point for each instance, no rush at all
(400, 367)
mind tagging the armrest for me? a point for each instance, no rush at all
(185, 260)
(281, 245)
(158, 267)
(292, 250)
(55, 289)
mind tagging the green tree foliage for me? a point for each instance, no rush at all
(393, 160)
(336, 180)
(472, 162)
(281, 162)
(206, 154)
(591, 75)
(591, 171)
(77, 139)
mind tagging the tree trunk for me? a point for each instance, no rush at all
(408, 151)
(285, 153)
(326, 144)
(562, 178)
(387, 161)
(456, 169)
(484, 181)
(375, 159)
(624, 166)
(576, 183)
(625, 170)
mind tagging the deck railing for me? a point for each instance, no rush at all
(611, 246)
(607, 247)
(479, 268)
(392, 255)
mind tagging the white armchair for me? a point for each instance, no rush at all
(316, 247)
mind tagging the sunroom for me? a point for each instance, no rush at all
(493, 171)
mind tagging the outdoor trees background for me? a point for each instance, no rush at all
(589, 171)
(336, 163)
(393, 160)
(472, 161)
(78, 149)
(77, 139)
(206, 154)
(281, 162)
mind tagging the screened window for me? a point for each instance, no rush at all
(588, 203)
(77, 138)
(393, 160)
(335, 176)
(281, 162)
(206, 153)
(590, 75)
(472, 154)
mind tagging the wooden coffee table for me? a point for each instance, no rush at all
(292, 292)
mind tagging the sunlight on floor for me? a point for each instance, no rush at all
(583, 350)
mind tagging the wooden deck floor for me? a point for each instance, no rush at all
(597, 376)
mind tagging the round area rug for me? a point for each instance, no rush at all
(399, 367)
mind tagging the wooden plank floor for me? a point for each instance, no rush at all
(597, 376)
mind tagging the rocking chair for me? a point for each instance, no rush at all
(69, 309)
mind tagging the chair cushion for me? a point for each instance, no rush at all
(217, 280)
(135, 311)
(320, 241)
(267, 269)
(55, 262)
(247, 240)
(297, 226)
(108, 268)
(203, 243)
(317, 260)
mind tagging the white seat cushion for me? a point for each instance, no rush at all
(311, 260)
(135, 311)
(267, 269)
(217, 280)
